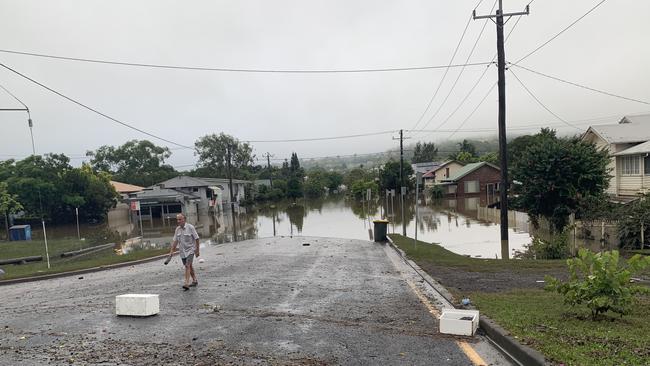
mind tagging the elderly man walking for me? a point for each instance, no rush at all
(187, 240)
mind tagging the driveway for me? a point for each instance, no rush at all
(269, 301)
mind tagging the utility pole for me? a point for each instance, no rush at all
(268, 165)
(232, 202)
(503, 189)
(402, 191)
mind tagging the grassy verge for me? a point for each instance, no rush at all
(436, 255)
(539, 318)
(58, 265)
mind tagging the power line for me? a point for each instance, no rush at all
(558, 34)
(225, 69)
(581, 86)
(446, 72)
(542, 104)
(453, 86)
(322, 138)
(469, 93)
(15, 97)
(92, 109)
(473, 111)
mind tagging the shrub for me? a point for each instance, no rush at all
(557, 247)
(598, 281)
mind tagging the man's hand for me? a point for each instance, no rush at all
(197, 253)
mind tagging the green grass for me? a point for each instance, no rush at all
(433, 254)
(56, 247)
(540, 319)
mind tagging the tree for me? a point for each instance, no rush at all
(212, 151)
(389, 175)
(8, 204)
(138, 162)
(556, 175)
(468, 147)
(294, 188)
(425, 152)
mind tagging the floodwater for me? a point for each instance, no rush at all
(461, 226)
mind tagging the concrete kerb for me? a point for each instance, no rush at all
(518, 352)
(82, 271)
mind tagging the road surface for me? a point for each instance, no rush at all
(268, 301)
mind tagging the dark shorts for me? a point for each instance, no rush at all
(188, 260)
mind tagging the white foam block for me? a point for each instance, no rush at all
(452, 322)
(137, 304)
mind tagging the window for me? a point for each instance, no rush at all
(451, 189)
(646, 165)
(446, 172)
(630, 165)
(472, 186)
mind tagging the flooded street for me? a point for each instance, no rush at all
(457, 226)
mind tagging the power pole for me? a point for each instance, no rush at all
(503, 190)
(268, 165)
(401, 177)
(232, 202)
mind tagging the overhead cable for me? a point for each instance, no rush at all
(252, 70)
(558, 34)
(581, 86)
(92, 109)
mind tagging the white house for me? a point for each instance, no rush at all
(441, 172)
(628, 143)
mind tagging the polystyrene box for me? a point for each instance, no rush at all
(459, 322)
(137, 304)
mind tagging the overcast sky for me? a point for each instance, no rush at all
(606, 50)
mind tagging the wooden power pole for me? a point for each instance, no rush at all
(501, 63)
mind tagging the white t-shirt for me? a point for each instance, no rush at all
(186, 237)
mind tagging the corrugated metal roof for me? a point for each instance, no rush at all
(183, 181)
(629, 129)
(468, 169)
(643, 148)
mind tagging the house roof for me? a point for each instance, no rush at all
(125, 187)
(184, 181)
(161, 194)
(431, 172)
(643, 148)
(629, 129)
(469, 168)
(425, 167)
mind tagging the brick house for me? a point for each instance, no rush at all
(474, 180)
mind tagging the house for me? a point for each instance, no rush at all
(628, 143)
(474, 180)
(124, 189)
(440, 172)
(189, 195)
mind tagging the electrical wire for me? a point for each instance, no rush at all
(243, 70)
(473, 111)
(581, 86)
(542, 104)
(442, 80)
(92, 109)
(323, 138)
(558, 34)
(15, 97)
(453, 86)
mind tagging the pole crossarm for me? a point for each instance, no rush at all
(525, 12)
(14, 109)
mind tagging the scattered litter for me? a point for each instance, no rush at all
(81, 278)
(2, 272)
(201, 260)
(305, 244)
(540, 281)
(465, 302)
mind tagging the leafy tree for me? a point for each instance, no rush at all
(8, 204)
(294, 188)
(212, 151)
(138, 162)
(389, 176)
(425, 152)
(556, 175)
(631, 218)
(360, 187)
(355, 175)
(334, 181)
(468, 147)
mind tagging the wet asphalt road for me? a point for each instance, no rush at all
(270, 301)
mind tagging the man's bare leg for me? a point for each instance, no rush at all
(192, 273)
